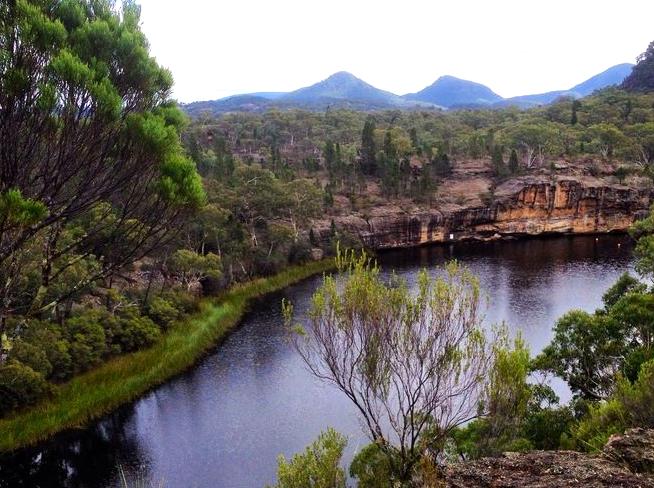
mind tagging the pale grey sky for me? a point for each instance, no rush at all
(224, 47)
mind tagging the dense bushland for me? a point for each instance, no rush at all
(108, 233)
(407, 154)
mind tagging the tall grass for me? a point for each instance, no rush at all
(125, 378)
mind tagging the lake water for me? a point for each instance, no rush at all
(224, 423)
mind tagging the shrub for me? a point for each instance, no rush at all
(135, 331)
(630, 406)
(20, 385)
(87, 339)
(639, 397)
(32, 356)
(163, 312)
(317, 466)
(39, 338)
(547, 428)
(634, 360)
(603, 420)
(184, 302)
(371, 468)
(299, 252)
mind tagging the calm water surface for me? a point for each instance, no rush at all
(224, 423)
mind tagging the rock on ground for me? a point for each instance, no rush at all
(626, 462)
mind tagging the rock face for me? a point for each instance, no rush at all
(544, 469)
(634, 450)
(531, 205)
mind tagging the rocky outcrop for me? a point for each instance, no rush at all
(634, 450)
(620, 465)
(523, 206)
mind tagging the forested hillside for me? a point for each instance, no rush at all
(642, 77)
(406, 155)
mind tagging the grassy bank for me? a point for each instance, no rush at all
(125, 378)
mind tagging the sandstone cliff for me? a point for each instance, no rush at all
(522, 206)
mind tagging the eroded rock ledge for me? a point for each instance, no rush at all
(524, 206)
(627, 461)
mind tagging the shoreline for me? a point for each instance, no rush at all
(126, 378)
(503, 238)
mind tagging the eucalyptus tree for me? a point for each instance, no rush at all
(91, 165)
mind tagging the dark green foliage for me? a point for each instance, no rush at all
(547, 425)
(20, 386)
(371, 468)
(576, 105)
(634, 312)
(368, 148)
(329, 156)
(312, 238)
(539, 424)
(499, 166)
(625, 284)
(514, 164)
(629, 406)
(634, 360)
(585, 351)
(38, 338)
(441, 165)
(86, 335)
(423, 188)
(183, 302)
(641, 78)
(162, 312)
(413, 135)
(639, 397)
(621, 173)
(329, 197)
(643, 231)
(32, 356)
(503, 409)
(134, 331)
(390, 176)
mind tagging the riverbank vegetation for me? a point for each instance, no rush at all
(109, 235)
(124, 378)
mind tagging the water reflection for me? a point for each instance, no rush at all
(223, 423)
(76, 459)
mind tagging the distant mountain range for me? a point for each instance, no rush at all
(344, 90)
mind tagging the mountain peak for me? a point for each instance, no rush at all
(450, 91)
(343, 86)
(342, 76)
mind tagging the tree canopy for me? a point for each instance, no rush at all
(642, 76)
(91, 165)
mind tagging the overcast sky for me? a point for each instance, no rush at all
(516, 47)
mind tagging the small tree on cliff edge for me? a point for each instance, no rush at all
(514, 165)
(368, 148)
(409, 362)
